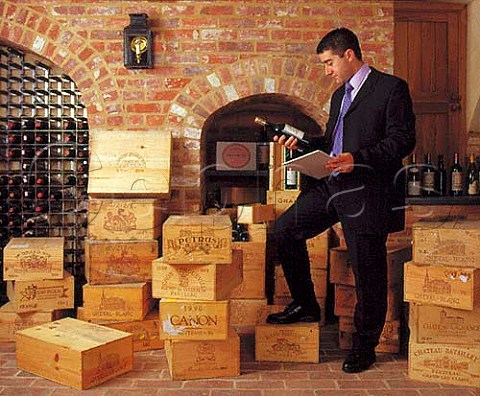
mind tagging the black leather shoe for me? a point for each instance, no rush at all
(293, 313)
(358, 361)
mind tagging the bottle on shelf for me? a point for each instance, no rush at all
(456, 177)
(413, 178)
(441, 177)
(471, 180)
(428, 177)
(291, 181)
(284, 129)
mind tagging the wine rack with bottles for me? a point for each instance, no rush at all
(44, 155)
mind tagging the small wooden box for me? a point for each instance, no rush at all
(282, 200)
(432, 324)
(253, 284)
(317, 248)
(125, 302)
(255, 213)
(42, 295)
(204, 359)
(197, 239)
(110, 262)
(298, 342)
(444, 363)
(124, 219)
(11, 321)
(450, 243)
(454, 287)
(193, 320)
(33, 259)
(129, 164)
(196, 282)
(245, 314)
(257, 233)
(74, 353)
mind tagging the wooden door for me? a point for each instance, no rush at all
(430, 50)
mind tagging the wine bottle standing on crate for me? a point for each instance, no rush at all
(413, 178)
(291, 175)
(472, 177)
(287, 130)
(428, 177)
(456, 177)
(441, 177)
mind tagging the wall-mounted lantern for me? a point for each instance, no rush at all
(138, 43)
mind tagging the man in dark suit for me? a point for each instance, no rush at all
(371, 127)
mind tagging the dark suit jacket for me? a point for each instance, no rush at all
(379, 131)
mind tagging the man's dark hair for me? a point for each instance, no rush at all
(338, 41)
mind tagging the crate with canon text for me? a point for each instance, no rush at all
(125, 302)
(193, 320)
(124, 219)
(450, 243)
(110, 262)
(196, 281)
(74, 353)
(33, 259)
(453, 287)
(298, 342)
(204, 359)
(254, 262)
(42, 295)
(124, 165)
(197, 239)
(146, 332)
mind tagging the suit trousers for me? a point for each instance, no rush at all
(314, 212)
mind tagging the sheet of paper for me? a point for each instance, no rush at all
(311, 164)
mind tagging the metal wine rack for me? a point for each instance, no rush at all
(43, 156)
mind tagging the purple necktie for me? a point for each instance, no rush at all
(338, 135)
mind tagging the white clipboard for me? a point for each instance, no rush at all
(311, 164)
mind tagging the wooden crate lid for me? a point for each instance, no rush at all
(213, 221)
(48, 243)
(447, 224)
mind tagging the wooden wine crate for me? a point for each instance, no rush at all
(282, 200)
(319, 279)
(317, 248)
(197, 239)
(110, 262)
(196, 282)
(257, 233)
(454, 287)
(444, 363)
(125, 302)
(33, 259)
(193, 320)
(204, 359)
(389, 341)
(449, 243)
(255, 213)
(298, 342)
(245, 314)
(281, 302)
(42, 295)
(129, 164)
(74, 353)
(433, 324)
(12, 321)
(124, 219)
(253, 283)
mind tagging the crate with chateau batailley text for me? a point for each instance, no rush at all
(449, 243)
(145, 332)
(204, 359)
(193, 320)
(74, 353)
(111, 262)
(197, 239)
(33, 259)
(196, 281)
(128, 301)
(124, 219)
(129, 164)
(42, 295)
(453, 287)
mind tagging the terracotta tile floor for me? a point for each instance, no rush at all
(151, 377)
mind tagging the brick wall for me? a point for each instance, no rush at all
(207, 55)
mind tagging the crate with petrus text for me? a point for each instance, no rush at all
(124, 219)
(197, 239)
(74, 353)
(196, 281)
(33, 259)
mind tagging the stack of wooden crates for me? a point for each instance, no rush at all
(38, 288)
(194, 279)
(442, 285)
